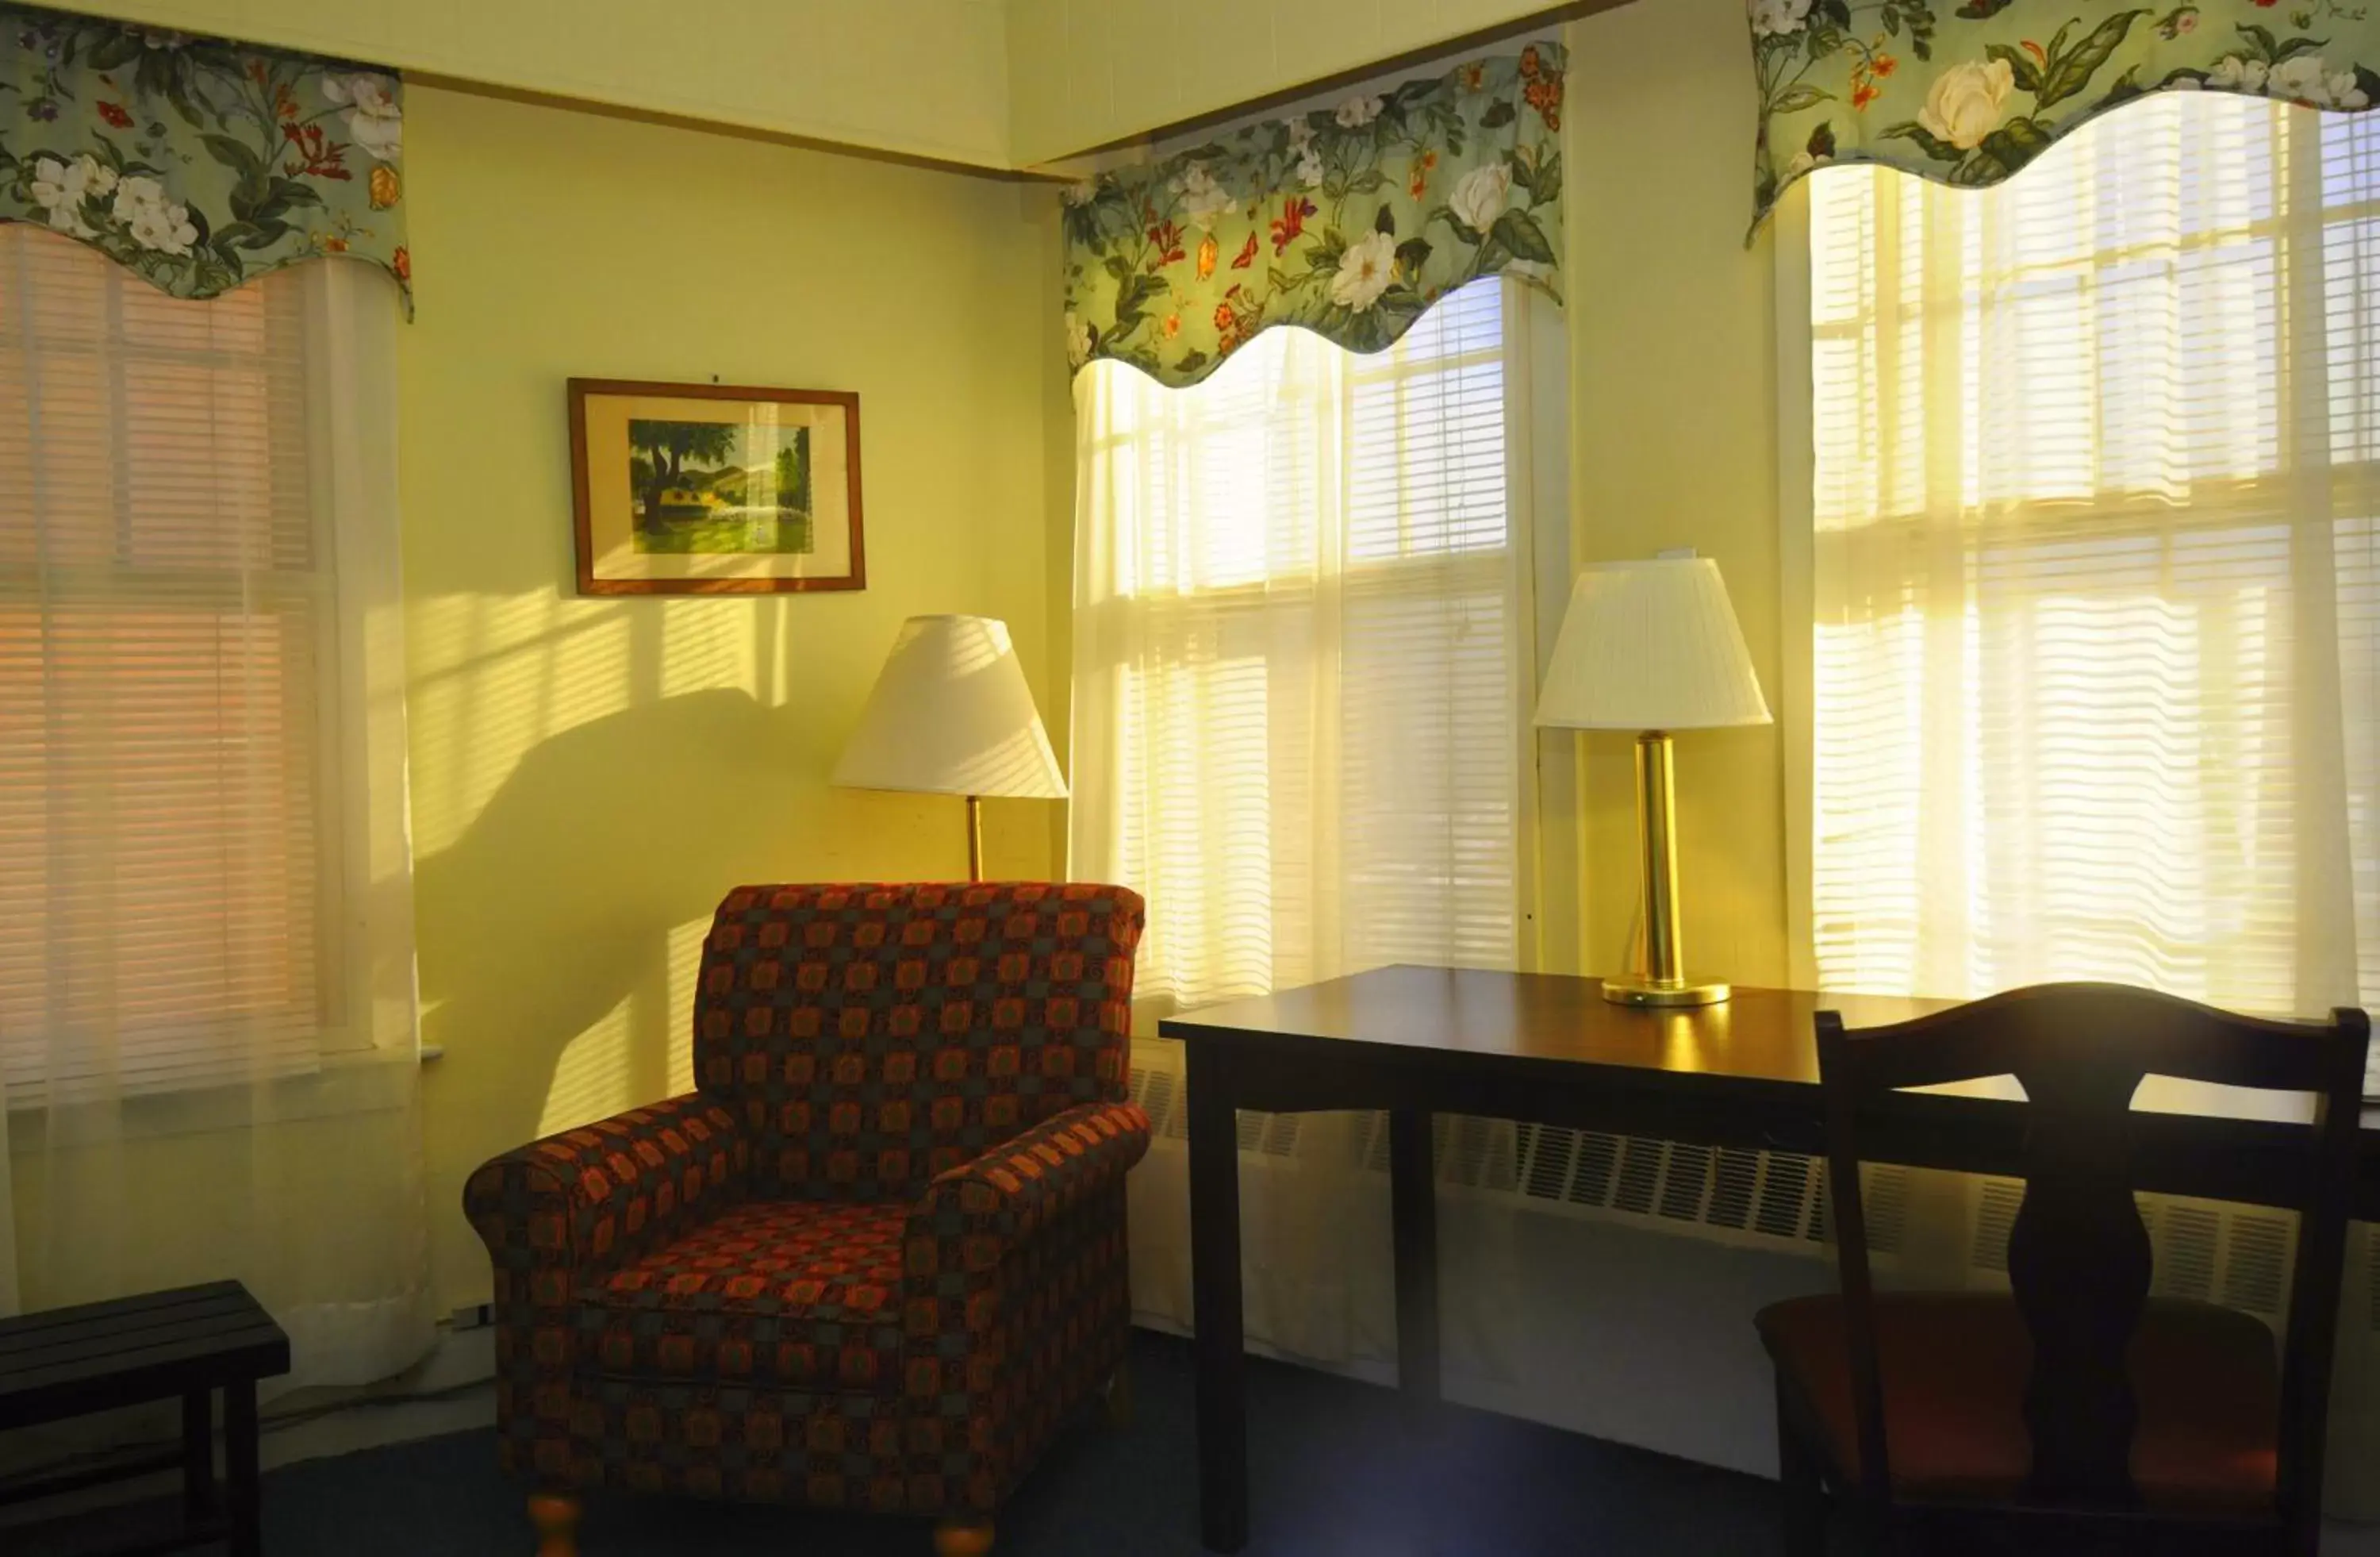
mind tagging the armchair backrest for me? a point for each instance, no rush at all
(869, 1037)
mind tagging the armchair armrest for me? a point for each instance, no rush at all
(1013, 1295)
(973, 1214)
(593, 1196)
(582, 1201)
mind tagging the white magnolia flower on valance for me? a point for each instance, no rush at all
(1774, 19)
(1203, 199)
(374, 117)
(155, 220)
(1480, 195)
(1365, 271)
(2307, 79)
(2233, 74)
(1965, 103)
(1357, 112)
(60, 186)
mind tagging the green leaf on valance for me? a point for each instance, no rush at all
(198, 164)
(1968, 95)
(1349, 220)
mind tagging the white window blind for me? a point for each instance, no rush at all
(186, 820)
(1298, 656)
(2094, 569)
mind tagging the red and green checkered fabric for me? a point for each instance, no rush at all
(783, 1294)
(879, 1258)
(869, 1038)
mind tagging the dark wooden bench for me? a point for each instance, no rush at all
(186, 1342)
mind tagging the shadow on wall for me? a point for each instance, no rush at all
(550, 934)
(588, 784)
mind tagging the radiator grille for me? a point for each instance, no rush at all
(1995, 1214)
(2255, 1274)
(2186, 1238)
(1777, 1195)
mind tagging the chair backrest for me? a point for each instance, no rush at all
(870, 1037)
(2079, 1259)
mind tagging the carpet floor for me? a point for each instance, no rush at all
(1336, 1467)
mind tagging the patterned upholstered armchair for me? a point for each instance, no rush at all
(878, 1257)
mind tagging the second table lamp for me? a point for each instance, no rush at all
(1653, 647)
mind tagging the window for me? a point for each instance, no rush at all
(200, 741)
(1299, 655)
(2094, 566)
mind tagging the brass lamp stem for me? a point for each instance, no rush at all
(1656, 838)
(974, 837)
(1662, 979)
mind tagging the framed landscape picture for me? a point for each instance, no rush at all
(693, 489)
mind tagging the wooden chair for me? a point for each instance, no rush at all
(2073, 1411)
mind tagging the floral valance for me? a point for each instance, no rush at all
(1970, 95)
(1349, 220)
(198, 164)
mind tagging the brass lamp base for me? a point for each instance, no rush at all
(1660, 977)
(1636, 990)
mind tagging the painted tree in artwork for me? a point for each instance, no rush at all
(794, 472)
(661, 451)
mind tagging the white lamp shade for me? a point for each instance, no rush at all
(951, 715)
(1651, 645)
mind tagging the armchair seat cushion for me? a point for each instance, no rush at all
(785, 1295)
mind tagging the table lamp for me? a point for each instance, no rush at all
(1653, 647)
(951, 715)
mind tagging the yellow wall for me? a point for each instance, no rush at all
(923, 76)
(1086, 72)
(1673, 406)
(588, 774)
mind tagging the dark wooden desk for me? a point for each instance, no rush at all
(1550, 1049)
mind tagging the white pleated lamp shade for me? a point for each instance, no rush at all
(951, 715)
(1651, 645)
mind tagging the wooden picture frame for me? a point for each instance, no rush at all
(710, 488)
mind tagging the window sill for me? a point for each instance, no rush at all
(345, 1083)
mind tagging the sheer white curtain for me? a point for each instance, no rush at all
(207, 1035)
(1302, 656)
(2094, 565)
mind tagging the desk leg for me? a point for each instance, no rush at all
(1412, 1192)
(1215, 1302)
(242, 1489)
